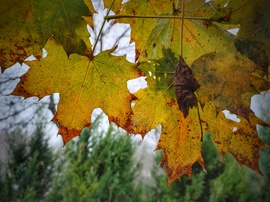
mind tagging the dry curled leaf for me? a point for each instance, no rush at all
(185, 85)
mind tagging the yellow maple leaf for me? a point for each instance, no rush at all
(84, 84)
(181, 137)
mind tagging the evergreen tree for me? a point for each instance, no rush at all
(98, 167)
(224, 180)
(185, 190)
(27, 175)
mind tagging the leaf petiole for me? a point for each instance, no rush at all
(154, 16)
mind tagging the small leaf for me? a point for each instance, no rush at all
(116, 7)
(253, 17)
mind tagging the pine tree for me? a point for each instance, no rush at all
(98, 167)
(27, 175)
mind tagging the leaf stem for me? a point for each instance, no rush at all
(154, 16)
(199, 116)
(182, 29)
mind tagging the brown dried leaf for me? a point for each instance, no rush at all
(185, 85)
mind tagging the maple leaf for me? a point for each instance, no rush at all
(254, 32)
(141, 27)
(84, 84)
(221, 83)
(238, 138)
(229, 69)
(25, 27)
(180, 139)
(197, 34)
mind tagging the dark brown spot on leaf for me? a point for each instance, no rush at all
(206, 24)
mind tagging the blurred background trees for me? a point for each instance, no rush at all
(27, 173)
(101, 165)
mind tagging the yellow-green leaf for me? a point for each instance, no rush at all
(115, 5)
(253, 17)
(84, 84)
(141, 28)
(229, 80)
(25, 27)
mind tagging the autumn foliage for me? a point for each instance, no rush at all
(223, 70)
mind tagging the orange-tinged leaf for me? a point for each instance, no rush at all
(84, 84)
(180, 138)
(181, 144)
(238, 138)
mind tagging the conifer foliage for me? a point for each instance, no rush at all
(27, 176)
(98, 167)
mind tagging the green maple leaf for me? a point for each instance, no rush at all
(25, 27)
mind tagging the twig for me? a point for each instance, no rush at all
(111, 17)
(102, 26)
(199, 116)
(182, 29)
